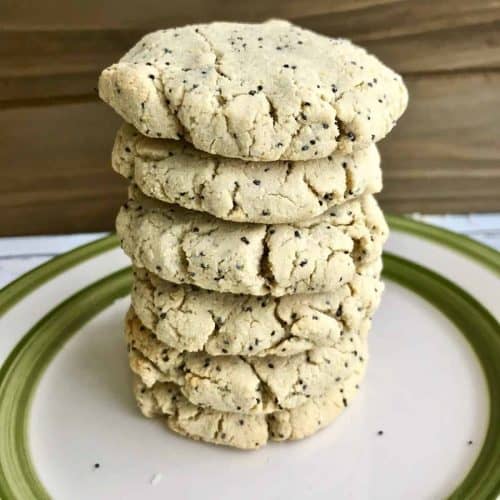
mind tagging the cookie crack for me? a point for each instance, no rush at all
(266, 393)
(284, 197)
(183, 255)
(265, 266)
(216, 54)
(349, 183)
(312, 275)
(234, 194)
(295, 133)
(273, 112)
(219, 430)
(160, 375)
(309, 186)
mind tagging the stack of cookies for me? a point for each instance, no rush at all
(251, 224)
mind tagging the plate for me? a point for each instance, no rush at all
(426, 423)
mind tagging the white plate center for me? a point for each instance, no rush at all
(424, 389)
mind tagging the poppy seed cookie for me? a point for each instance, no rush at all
(243, 385)
(189, 247)
(192, 319)
(243, 431)
(265, 91)
(239, 191)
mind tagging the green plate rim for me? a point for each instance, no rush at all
(67, 317)
(42, 342)
(14, 291)
(482, 482)
(481, 253)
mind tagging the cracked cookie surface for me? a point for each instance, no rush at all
(251, 385)
(189, 247)
(242, 191)
(243, 431)
(188, 318)
(265, 91)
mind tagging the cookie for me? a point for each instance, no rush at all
(253, 385)
(243, 431)
(266, 91)
(239, 191)
(190, 247)
(192, 319)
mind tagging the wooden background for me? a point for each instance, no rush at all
(56, 137)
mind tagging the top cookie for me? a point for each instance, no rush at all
(264, 91)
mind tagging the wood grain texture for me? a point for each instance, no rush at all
(56, 138)
(119, 14)
(410, 36)
(55, 169)
(444, 156)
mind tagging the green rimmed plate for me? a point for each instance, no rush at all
(65, 402)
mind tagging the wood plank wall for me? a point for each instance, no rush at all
(56, 137)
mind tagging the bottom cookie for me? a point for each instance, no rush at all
(238, 430)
